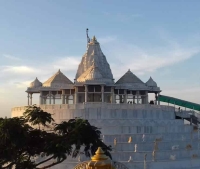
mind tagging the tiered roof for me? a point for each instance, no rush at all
(130, 81)
(57, 80)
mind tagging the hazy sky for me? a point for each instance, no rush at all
(155, 38)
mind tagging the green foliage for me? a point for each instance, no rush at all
(21, 143)
(36, 116)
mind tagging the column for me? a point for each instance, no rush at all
(86, 93)
(147, 97)
(54, 99)
(28, 99)
(41, 98)
(112, 95)
(102, 93)
(31, 98)
(67, 97)
(157, 98)
(45, 100)
(75, 95)
(63, 96)
(137, 94)
(49, 97)
(125, 96)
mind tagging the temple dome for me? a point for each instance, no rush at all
(129, 78)
(151, 83)
(94, 56)
(57, 80)
(35, 83)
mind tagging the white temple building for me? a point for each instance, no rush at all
(93, 83)
(143, 136)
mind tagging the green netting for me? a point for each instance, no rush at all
(179, 102)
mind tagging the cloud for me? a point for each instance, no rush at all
(144, 61)
(188, 94)
(22, 84)
(18, 69)
(67, 63)
(22, 76)
(11, 57)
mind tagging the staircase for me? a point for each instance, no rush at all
(191, 116)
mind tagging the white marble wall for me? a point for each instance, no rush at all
(122, 121)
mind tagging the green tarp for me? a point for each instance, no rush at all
(179, 102)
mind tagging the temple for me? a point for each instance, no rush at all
(142, 135)
(93, 83)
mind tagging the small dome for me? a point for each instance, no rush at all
(35, 83)
(151, 83)
(129, 78)
(57, 80)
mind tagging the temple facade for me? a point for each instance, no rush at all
(93, 82)
(142, 135)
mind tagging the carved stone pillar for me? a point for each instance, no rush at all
(147, 97)
(157, 98)
(102, 93)
(63, 96)
(125, 96)
(31, 98)
(137, 95)
(112, 95)
(28, 99)
(41, 98)
(86, 93)
(45, 100)
(54, 99)
(49, 97)
(75, 95)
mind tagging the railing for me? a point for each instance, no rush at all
(88, 105)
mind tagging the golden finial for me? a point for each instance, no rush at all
(100, 161)
(99, 155)
(94, 39)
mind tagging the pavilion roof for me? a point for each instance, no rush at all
(57, 80)
(129, 77)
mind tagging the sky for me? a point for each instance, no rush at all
(154, 38)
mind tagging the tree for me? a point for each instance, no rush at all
(21, 143)
(36, 116)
